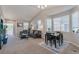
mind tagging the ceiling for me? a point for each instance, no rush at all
(21, 12)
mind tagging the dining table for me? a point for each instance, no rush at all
(53, 38)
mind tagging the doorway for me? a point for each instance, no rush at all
(9, 29)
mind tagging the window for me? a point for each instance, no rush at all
(65, 23)
(49, 24)
(26, 25)
(57, 24)
(39, 24)
(75, 21)
(61, 23)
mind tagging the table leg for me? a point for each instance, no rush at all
(51, 43)
(54, 41)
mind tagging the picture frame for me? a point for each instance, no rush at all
(19, 25)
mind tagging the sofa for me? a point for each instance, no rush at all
(24, 34)
(36, 33)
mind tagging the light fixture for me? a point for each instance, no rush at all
(42, 6)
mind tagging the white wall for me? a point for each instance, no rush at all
(0, 11)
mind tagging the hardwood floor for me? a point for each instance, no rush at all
(31, 46)
(17, 46)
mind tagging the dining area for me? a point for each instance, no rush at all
(54, 39)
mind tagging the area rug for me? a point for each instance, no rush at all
(57, 50)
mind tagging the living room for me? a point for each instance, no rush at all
(39, 29)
